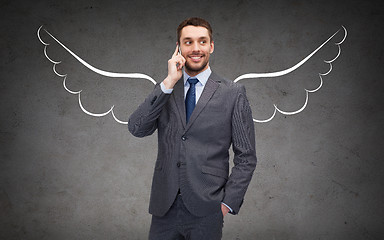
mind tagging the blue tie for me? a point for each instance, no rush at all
(190, 99)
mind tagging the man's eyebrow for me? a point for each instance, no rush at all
(190, 38)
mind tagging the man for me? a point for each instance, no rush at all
(198, 115)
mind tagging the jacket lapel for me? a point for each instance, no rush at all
(179, 100)
(209, 89)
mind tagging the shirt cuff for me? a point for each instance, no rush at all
(166, 91)
(230, 209)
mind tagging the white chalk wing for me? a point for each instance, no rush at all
(93, 69)
(141, 76)
(293, 68)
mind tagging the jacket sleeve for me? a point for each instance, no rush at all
(243, 144)
(143, 121)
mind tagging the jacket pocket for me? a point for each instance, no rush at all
(215, 171)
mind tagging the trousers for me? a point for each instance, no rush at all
(179, 224)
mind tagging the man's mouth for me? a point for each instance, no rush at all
(196, 58)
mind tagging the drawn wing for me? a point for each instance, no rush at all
(293, 68)
(92, 68)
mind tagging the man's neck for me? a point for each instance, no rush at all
(202, 76)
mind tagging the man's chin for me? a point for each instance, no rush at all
(196, 69)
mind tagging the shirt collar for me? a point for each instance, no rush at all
(202, 77)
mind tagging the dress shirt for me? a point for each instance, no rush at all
(202, 77)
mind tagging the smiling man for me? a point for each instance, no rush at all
(198, 116)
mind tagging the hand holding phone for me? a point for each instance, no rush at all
(175, 66)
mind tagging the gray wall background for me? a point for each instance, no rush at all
(67, 175)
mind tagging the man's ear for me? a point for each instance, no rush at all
(212, 47)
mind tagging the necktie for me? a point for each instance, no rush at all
(190, 99)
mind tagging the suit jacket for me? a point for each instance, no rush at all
(194, 156)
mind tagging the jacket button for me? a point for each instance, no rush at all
(178, 164)
(183, 138)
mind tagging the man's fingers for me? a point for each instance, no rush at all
(180, 61)
(176, 50)
(177, 58)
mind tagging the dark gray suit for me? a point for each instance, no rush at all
(194, 157)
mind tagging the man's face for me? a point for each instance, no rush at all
(196, 47)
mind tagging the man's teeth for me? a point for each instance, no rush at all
(195, 57)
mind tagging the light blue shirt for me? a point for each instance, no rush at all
(203, 78)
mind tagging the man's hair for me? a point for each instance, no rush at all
(194, 21)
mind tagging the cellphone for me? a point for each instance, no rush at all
(177, 65)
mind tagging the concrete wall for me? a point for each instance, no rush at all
(67, 175)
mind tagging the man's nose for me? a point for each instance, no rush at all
(195, 46)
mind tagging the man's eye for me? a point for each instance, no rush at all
(188, 42)
(203, 42)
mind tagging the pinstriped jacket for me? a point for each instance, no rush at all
(194, 156)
